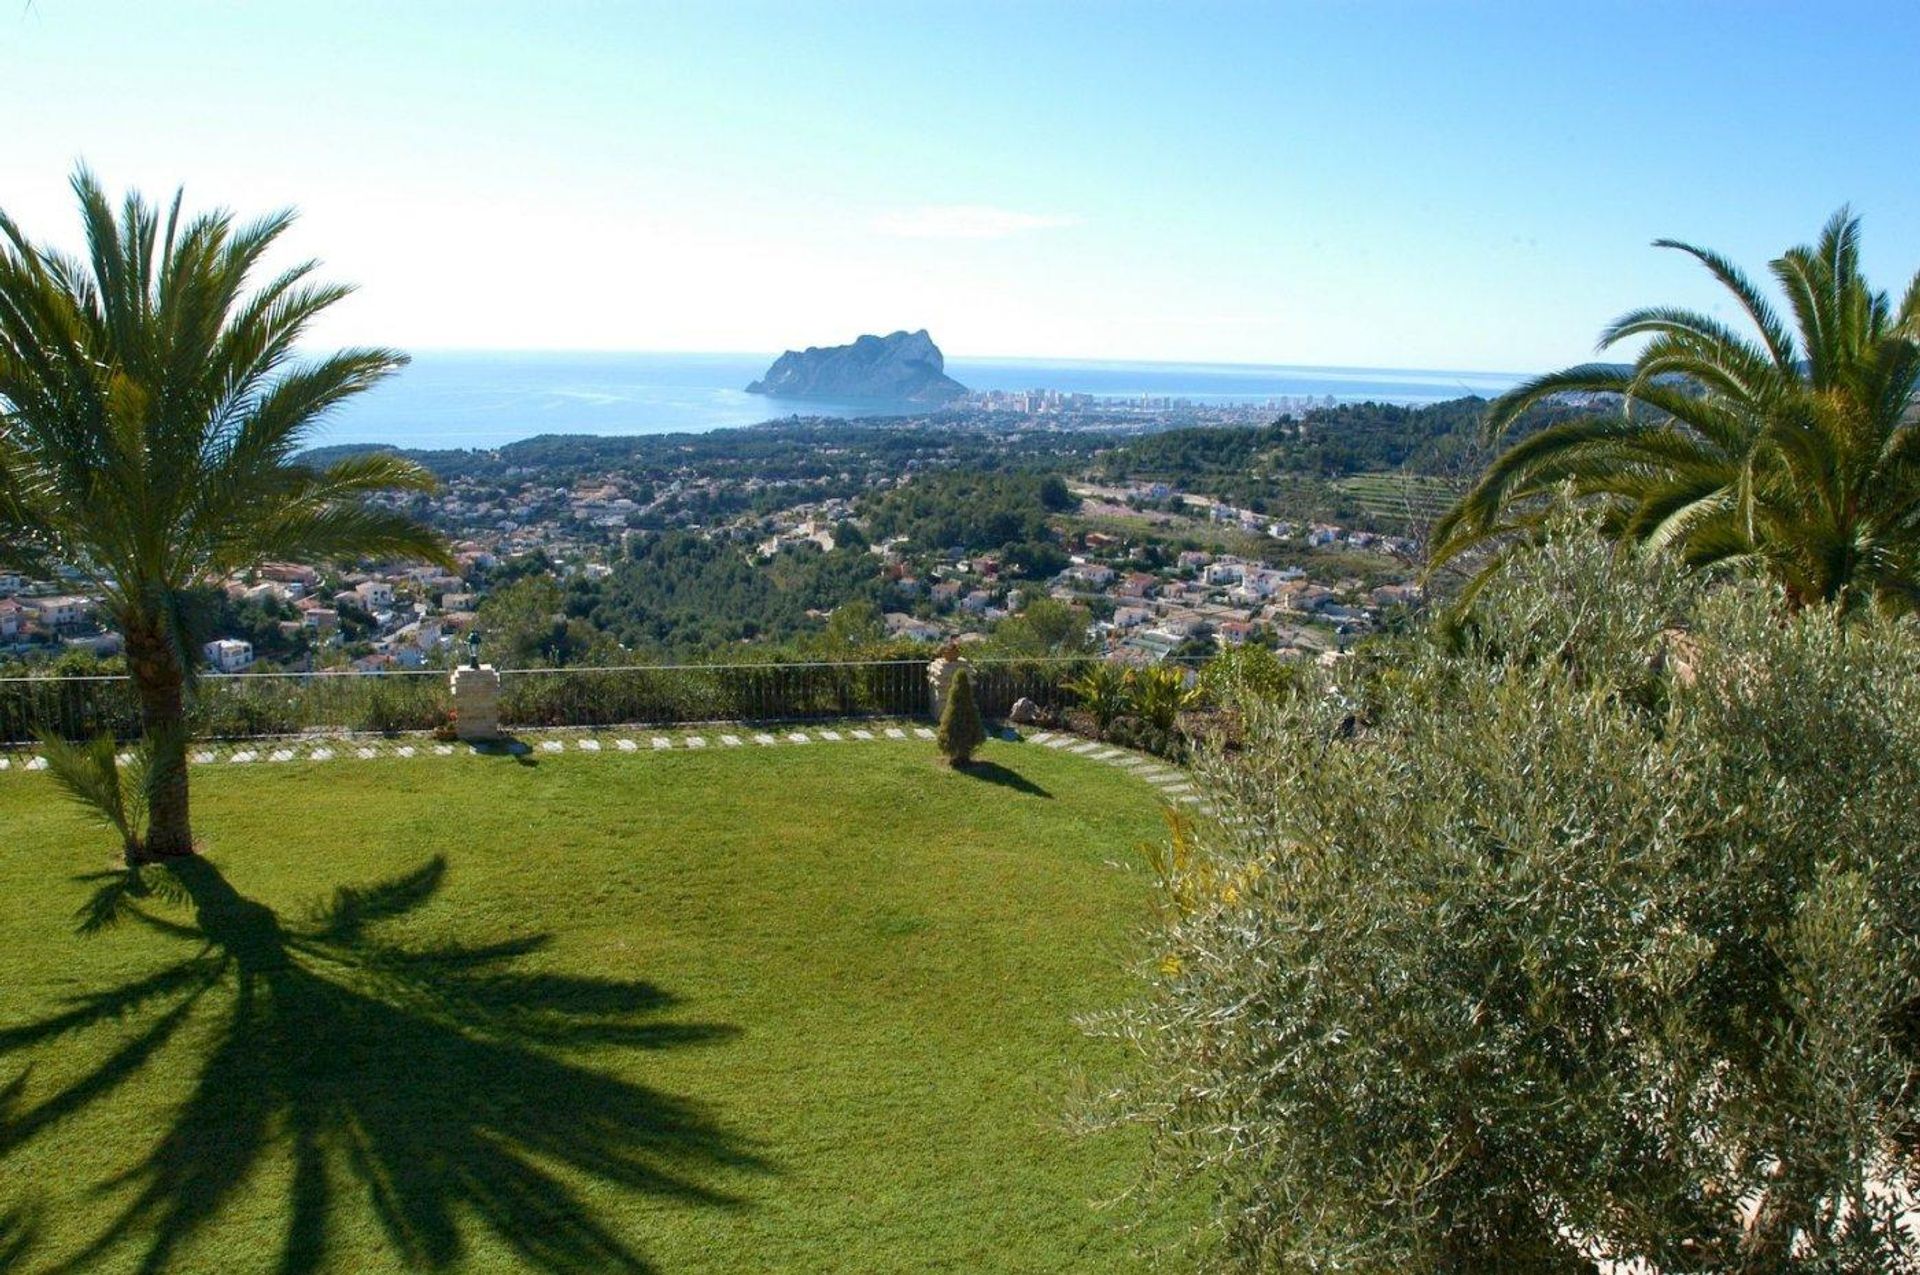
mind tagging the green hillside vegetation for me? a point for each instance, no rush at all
(680, 594)
(969, 510)
(1318, 467)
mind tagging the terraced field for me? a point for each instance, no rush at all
(1402, 498)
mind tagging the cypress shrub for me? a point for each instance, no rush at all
(960, 729)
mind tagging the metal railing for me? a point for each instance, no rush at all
(665, 694)
(229, 706)
(259, 705)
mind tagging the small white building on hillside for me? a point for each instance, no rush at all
(229, 655)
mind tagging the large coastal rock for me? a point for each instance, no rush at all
(906, 367)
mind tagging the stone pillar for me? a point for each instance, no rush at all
(476, 704)
(940, 678)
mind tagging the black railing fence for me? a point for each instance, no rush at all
(669, 694)
(255, 705)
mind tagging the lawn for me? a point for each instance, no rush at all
(798, 1008)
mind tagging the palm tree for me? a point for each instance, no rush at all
(1792, 450)
(151, 409)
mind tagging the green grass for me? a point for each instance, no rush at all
(805, 1008)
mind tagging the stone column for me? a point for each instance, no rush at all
(940, 678)
(476, 704)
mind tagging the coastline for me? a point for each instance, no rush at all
(487, 398)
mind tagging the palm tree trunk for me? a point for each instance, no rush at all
(161, 684)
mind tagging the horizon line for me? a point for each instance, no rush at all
(1109, 360)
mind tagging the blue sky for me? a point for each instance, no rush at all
(1462, 185)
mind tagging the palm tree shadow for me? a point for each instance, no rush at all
(19, 1227)
(436, 1082)
(995, 773)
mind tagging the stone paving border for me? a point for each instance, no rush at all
(1172, 782)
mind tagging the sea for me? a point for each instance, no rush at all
(484, 399)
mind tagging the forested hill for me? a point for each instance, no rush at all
(1440, 440)
(797, 448)
(1330, 442)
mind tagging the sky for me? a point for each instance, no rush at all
(1460, 186)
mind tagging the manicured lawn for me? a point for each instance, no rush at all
(799, 1008)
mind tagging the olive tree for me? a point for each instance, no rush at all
(1581, 932)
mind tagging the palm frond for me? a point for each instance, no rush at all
(1778, 340)
(90, 775)
(1739, 454)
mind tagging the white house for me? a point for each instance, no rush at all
(1093, 573)
(901, 625)
(229, 655)
(59, 612)
(13, 618)
(375, 595)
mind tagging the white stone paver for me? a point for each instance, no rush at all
(1174, 784)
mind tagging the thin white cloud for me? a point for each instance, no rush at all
(965, 221)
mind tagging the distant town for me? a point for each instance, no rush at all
(1155, 569)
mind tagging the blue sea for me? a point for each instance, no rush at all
(484, 399)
